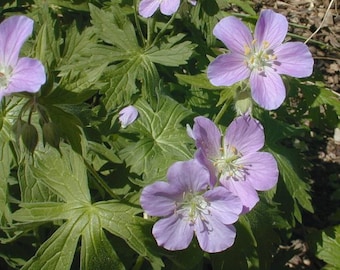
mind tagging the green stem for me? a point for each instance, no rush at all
(151, 24)
(139, 29)
(139, 263)
(160, 33)
(220, 113)
(3, 104)
(32, 108)
(100, 181)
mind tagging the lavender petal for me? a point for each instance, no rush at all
(267, 89)
(169, 7)
(173, 233)
(245, 134)
(148, 7)
(159, 199)
(262, 170)
(228, 69)
(270, 30)
(213, 235)
(14, 31)
(234, 34)
(294, 59)
(28, 75)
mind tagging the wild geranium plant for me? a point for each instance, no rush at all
(194, 174)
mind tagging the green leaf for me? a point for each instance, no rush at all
(318, 96)
(122, 83)
(171, 54)
(325, 245)
(204, 17)
(199, 80)
(114, 28)
(298, 189)
(62, 119)
(31, 188)
(64, 174)
(44, 211)
(245, 5)
(58, 251)
(48, 39)
(80, 68)
(102, 151)
(119, 220)
(96, 251)
(277, 130)
(73, 5)
(227, 95)
(263, 220)
(149, 77)
(5, 163)
(162, 139)
(76, 86)
(122, 80)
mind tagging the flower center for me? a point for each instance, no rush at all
(259, 58)
(228, 165)
(5, 75)
(193, 206)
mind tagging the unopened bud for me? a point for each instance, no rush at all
(243, 102)
(51, 134)
(128, 115)
(29, 136)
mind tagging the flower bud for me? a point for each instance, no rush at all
(29, 136)
(243, 102)
(127, 116)
(51, 134)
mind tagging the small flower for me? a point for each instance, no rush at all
(18, 74)
(189, 206)
(128, 115)
(236, 163)
(167, 7)
(262, 59)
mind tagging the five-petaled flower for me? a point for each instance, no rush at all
(127, 115)
(262, 59)
(235, 160)
(167, 7)
(18, 74)
(189, 206)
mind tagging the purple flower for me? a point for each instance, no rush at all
(262, 59)
(167, 7)
(127, 116)
(189, 206)
(236, 162)
(18, 74)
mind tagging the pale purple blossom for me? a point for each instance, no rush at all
(128, 115)
(167, 7)
(234, 159)
(18, 74)
(188, 206)
(261, 59)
